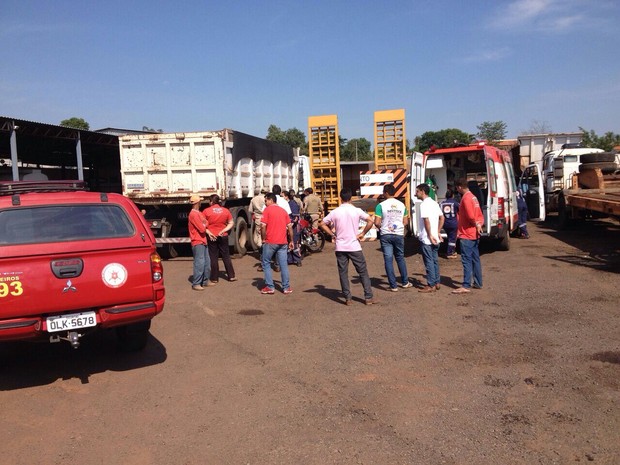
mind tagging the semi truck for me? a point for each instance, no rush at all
(161, 171)
(575, 182)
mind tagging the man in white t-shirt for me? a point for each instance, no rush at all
(281, 202)
(390, 217)
(431, 222)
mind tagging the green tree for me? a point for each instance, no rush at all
(441, 139)
(492, 131)
(76, 123)
(355, 149)
(606, 142)
(292, 137)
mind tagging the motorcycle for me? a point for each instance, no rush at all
(312, 239)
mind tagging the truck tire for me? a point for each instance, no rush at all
(604, 166)
(241, 237)
(168, 251)
(253, 244)
(504, 242)
(133, 337)
(598, 157)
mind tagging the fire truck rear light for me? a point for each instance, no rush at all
(157, 269)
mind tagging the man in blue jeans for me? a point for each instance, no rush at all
(390, 218)
(277, 234)
(431, 222)
(197, 225)
(470, 227)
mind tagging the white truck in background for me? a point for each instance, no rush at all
(576, 182)
(161, 171)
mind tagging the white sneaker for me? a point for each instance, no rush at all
(394, 289)
(406, 286)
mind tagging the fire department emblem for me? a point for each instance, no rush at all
(114, 275)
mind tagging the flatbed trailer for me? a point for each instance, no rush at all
(607, 202)
(597, 195)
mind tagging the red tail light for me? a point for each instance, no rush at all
(157, 269)
(500, 207)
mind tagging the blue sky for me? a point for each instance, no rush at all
(206, 65)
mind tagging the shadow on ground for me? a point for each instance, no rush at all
(27, 364)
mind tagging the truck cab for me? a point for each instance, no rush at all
(542, 183)
(490, 176)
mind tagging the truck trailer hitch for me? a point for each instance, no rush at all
(72, 336)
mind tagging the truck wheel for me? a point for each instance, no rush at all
(504, 242)
(168, 251)
(598, 157)
(562, 213)
(241, 237)
(133, 337)
(253, 244)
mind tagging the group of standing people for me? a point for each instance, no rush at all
(276, 218)
(276, 233)
(462, 220)
(208, 233)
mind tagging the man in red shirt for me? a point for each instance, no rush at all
(469, 227)
(197, 225)
(220, 221)
(277, 234)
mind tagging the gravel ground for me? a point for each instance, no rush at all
(524, 371)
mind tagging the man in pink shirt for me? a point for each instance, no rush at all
(342, 224)
(469, 227)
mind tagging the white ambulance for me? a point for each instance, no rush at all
(490, 177)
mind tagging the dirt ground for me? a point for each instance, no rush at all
(524, 371)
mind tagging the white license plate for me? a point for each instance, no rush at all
(71, 321)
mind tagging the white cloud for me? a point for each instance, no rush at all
(522, 12)
(555, 16)
(527, 9)
(484, 56)
(564, 23)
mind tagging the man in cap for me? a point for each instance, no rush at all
(197, 225)
(312, 206)
(257, 205)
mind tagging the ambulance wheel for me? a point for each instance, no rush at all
(241, 237)
(504, 242)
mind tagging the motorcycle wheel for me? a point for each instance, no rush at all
(316, 241)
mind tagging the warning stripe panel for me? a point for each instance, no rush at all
(172, 240)
(372, 182)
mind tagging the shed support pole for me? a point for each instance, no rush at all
(13, 143)
(80, 165)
